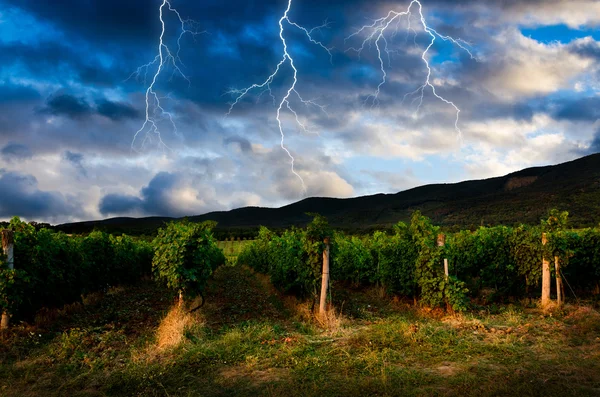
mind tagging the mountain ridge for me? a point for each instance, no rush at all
(519, 197)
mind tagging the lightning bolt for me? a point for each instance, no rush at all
(165, 59)
(375, 33)
(291, 91)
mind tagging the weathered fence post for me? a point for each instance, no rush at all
(545, 276)
(8, 249)
(559, 286)
(441, 241)
(324, 279)
(180, 299)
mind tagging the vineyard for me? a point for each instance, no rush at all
(494, 264)
(110, 315)
(53, 269)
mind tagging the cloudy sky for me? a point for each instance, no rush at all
(71, 103)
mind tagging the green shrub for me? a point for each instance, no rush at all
(435, 289)
(483, 260)
(52, 269)
(293, 260)
(12, 283)
(256, 254)
(185, 256)
(353, 260)
(395, 257)
(526, 252)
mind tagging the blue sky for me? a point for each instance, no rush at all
(70, 107)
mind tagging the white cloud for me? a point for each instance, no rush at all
(574, 13)
(520, 66)
(505, 132)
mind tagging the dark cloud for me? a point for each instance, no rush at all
(595, 144)
(76, 159)
(56, 62)
(119, 204)
(107, 40)
(21, 197)
(78, 108)
(17, 93)
(156, 195)
(244, 143)
(482, 110)
(154, 199)
(116, 111)
(68, 105)
(581, 109)
(586, 48)
(15, 152)
(107, 19)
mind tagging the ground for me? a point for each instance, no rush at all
(250, 340)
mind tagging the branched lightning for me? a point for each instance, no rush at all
(265, 86)
(375, 34)
(164, 59)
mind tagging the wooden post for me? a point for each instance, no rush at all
(180, 300)
(545, 276)
(324, 279)
(441, 241)
(559, 288)
(8, 249)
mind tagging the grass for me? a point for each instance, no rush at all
(232, 248)
(248, 340)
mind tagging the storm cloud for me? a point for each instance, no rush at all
(22, 197)
(71, 102)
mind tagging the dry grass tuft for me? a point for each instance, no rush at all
(171, 329)
(551, 308)
(332, 320)
(170, 333)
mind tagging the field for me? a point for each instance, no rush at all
(397, 325)
(250, 340)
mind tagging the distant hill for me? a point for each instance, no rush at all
(520, 197)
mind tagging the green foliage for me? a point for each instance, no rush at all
(428, 276)
(400, 262)
(52, 269)
(435, 289)
(556, 221)
(11, 286)
(256, 254)
(294, 259)
(186, 255)
(290, 267)
(456, 294)
(583, 259)
(503, 260)
(353, 260)
(483, 259)
(395, 256)
(388, 260)
(526, 251)
(557, 237)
